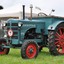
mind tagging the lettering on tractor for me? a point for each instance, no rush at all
(33, 34)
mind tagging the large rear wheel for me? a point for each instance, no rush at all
(56, 40)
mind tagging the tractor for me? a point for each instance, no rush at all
(31, 35)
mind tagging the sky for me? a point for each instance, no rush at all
(45, 5)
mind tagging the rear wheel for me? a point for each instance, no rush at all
(29, 50)
(56, 40)
(3, 50)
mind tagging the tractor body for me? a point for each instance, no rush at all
(35, 29)
(31, 35)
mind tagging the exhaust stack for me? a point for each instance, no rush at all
(23, 12)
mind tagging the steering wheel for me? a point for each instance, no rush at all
(42, 14)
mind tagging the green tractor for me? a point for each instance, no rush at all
(30, 35)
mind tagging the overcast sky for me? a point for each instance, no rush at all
(45, 5)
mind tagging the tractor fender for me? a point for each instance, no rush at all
(23, 32)
(54, 25)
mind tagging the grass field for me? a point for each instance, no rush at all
(44, 57)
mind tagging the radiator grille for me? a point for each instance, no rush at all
(14, 27)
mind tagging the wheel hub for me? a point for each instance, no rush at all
(31, 51)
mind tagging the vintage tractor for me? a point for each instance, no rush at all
(30, 35)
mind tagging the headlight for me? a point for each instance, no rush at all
(20, 24)
(5, 35)
(3, 25)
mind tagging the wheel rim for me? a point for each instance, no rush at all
(31, 51)
(2, 50)
(59, 40)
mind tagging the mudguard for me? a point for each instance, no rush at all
(23, 32)
(54, 25)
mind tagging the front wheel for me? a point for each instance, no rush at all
(29, 50)
(2, 49)
(56, 40)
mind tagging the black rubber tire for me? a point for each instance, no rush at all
(52, 47)
(51, 40)
(24, 47)
(5, 50)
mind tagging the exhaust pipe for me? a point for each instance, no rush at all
(23, 12)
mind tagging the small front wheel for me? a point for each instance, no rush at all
(29, 50)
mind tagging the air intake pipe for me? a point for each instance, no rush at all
(31, 6)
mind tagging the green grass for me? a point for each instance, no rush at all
(44, 57)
